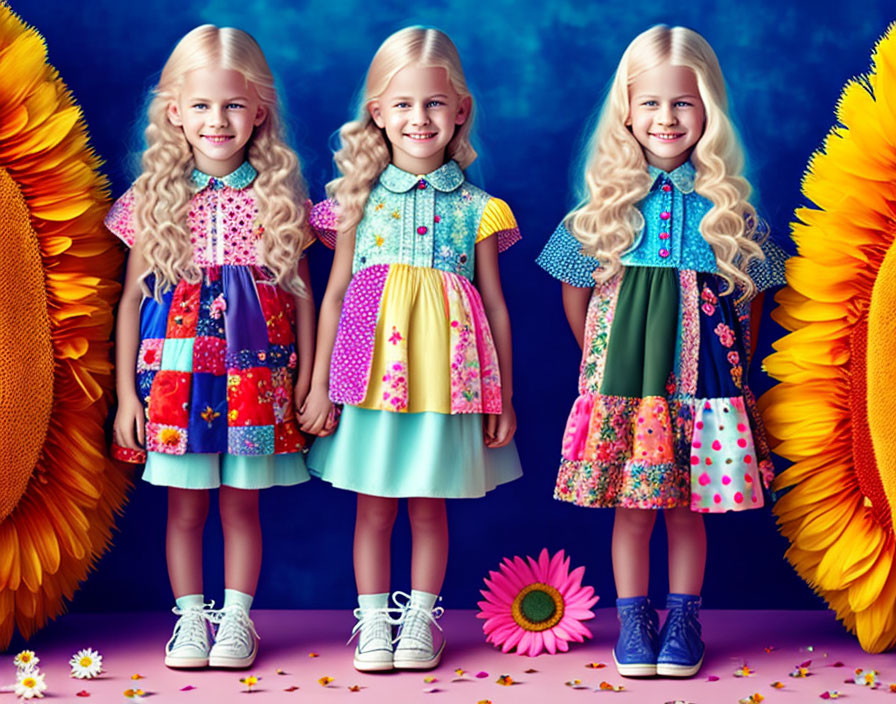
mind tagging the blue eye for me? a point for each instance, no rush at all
(235, 106)
(683, 104)
(199, 106)
(649, 103)
(402, 105)
(434, 104)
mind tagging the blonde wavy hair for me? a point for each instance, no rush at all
(365, 151)
(163, 190)
(616, 178)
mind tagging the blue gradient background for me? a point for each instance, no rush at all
(537, 70)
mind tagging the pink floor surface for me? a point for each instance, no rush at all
(771, 643)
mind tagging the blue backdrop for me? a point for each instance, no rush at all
(537, 71)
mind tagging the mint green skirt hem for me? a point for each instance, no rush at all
(210, 471)
(399, 455)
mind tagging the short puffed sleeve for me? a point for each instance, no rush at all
(323, 222)
(769, 272)
(120, 218)
(563, 259)
(497, 219)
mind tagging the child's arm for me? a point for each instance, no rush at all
(316, 415)
(575, 304)
(498, 429)
(128, 428)
(304, 335)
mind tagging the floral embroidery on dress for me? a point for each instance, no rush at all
(218, 306)
(725, 334)
(709, 301)
(690, 331)
(396, 385)
(395, 337)
(599, 319)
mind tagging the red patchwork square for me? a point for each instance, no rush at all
(184, 310)
(169, 398)
(288, 438)
(279, 313)
(209, 354)
(250, 397)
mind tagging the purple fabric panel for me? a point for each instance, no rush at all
(353, 349)
(243, 317)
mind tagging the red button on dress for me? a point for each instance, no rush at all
(664, 253)
(421, 184)
(664, 235)
(665, 215)
(667, 187)
(422, 230)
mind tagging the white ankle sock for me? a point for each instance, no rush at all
(189, 601)
(373, 601)
(234, 596)
(424, 600)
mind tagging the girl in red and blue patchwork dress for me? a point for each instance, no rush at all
(216, 325)
(658, 263)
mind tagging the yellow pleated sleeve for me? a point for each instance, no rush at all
(495, 218)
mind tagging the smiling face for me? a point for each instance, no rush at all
(419, 111)
(666, 114)
(218, 111)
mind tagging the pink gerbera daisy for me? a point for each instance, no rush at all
(536, 605)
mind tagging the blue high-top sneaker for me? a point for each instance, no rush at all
(681, 650)
(635, 651)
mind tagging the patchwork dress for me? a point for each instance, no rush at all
(217, 358)
(414, 363)
(664, 416)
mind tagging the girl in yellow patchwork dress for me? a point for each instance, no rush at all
(418, 359)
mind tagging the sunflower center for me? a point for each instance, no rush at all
(26, 348)
(537, 607)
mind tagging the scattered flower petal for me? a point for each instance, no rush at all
(431, 690)
(576, 684)
(354, 688)
(778, 685)
(82, 693)
(504, 680)
(770, 648)
(313, 655)
(136, 694)
(539, 600)
(325, 681)
(484, 701)
(830, 694)
(712, 678)
(481, 675)
(291, 688)
(678, 701)
(250, 681)
(866, 678)
(606, 686)
(530, 671)
(188, 688)
(744, 671)
(800, 671)
(838, 664)
(136, 676)
(596, 665)
(429, 679)
(280, 671)
(752, 699)
(893, 687)
(86, 664)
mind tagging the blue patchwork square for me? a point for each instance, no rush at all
(251, 440)
(208, 414)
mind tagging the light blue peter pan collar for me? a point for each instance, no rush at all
(682, 177)
(446, 178)
(239, 179)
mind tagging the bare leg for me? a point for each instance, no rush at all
(187, 511)
(631, 550)
(687, 550)
(373, 536)
(242, 538)
(429, 533)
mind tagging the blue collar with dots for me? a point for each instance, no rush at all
(239, 179)
(682, 177)
(446, 178)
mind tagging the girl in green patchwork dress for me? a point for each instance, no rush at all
(657, 263)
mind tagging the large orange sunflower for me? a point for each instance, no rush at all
(58, 273)
(832, 414)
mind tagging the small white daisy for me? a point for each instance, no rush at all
(86, 664)
(26, 660)
(30, 684)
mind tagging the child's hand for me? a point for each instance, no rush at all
(499, 429)
(129, 418)
(317, 415)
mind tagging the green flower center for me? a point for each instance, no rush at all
(537, 607)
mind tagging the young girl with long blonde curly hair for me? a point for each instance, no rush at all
(657, 263)
(417, 356)
(215, 331)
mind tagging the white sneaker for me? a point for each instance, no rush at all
(374, 630)
(415, 649)
(191, 640)
(236, 641)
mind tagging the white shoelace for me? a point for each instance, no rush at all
(235, 630)
(191, 629)
(414, 625)
(374, 627)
